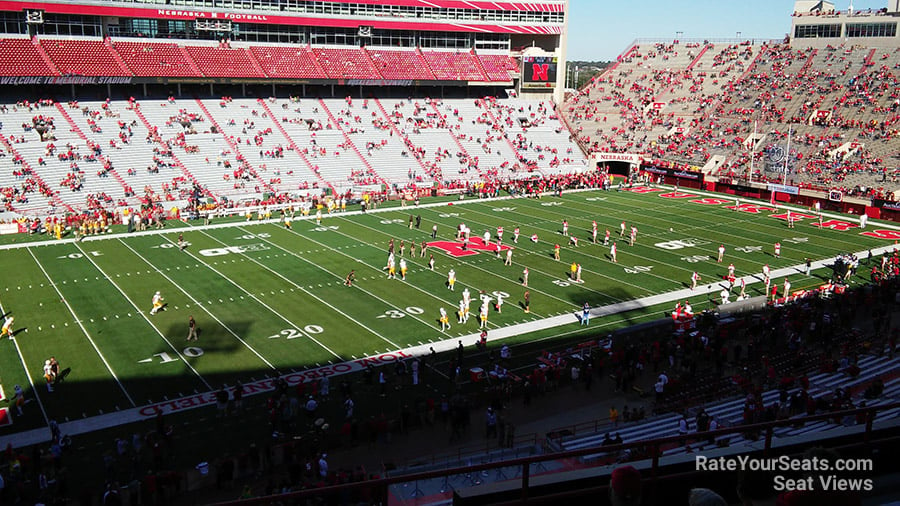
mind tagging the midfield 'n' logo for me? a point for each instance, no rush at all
(475, 244)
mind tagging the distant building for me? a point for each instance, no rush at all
(818, 24)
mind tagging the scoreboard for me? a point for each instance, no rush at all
(539, 71)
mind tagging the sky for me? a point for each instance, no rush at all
(599, 30)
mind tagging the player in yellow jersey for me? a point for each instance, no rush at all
(483, 315)
(7, 329)
(392, 269)
(157, 303)
(445, 321)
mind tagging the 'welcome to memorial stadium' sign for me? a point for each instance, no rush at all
(38, 80)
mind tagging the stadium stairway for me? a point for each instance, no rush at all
(181, 166)
(77, 130)
(730, 412)
(52, 195)
(44, 56)
(292, 146)
(337, 126)
(242, 160)
(400, 135)
(697, 59)
(187, 57)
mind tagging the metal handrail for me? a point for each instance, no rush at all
(766, 428)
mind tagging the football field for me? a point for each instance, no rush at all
(270, 300)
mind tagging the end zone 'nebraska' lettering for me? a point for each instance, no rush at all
(708, 201)
(836, 225)
(677, 195)
(751, 208)
(883, 234)
(643, 189)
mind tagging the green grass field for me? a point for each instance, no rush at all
(270, 300)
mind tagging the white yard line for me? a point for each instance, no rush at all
(462, 261)
(27, 373)
(380, 273)
(198, 304)
(144, 316)
(254, 297)
(83, 330)
(617, 281)
(133, 415)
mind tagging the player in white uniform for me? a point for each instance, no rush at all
(622, 229)
(508, 257)
(724, 295)
(466, 296)
(461, 314)
(731, 269)
(578, 274)
(451, 279)
(565, 225)
(499, 302)
(612, 253)
(318, 216)
(695, 277)
(483, 315)
(765, 271)
(633, 235)
(721, 253)
(534, 238)
(525, 277)
(157, 303)
(392, 269)
(48, 375)
(499, 234)
(7, 329)
(516, 235)
(594, 232)
(606, 238)
(445, 321)
(431, 262)
(487, 237)
(403, 269)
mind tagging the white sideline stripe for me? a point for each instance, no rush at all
(108, 420)
(27, 374)
(136, 308)
(880, 223)
(105, 421)
(84, 330)
(195, 301)
(254, 297)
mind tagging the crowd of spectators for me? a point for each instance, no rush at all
(840, 104)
